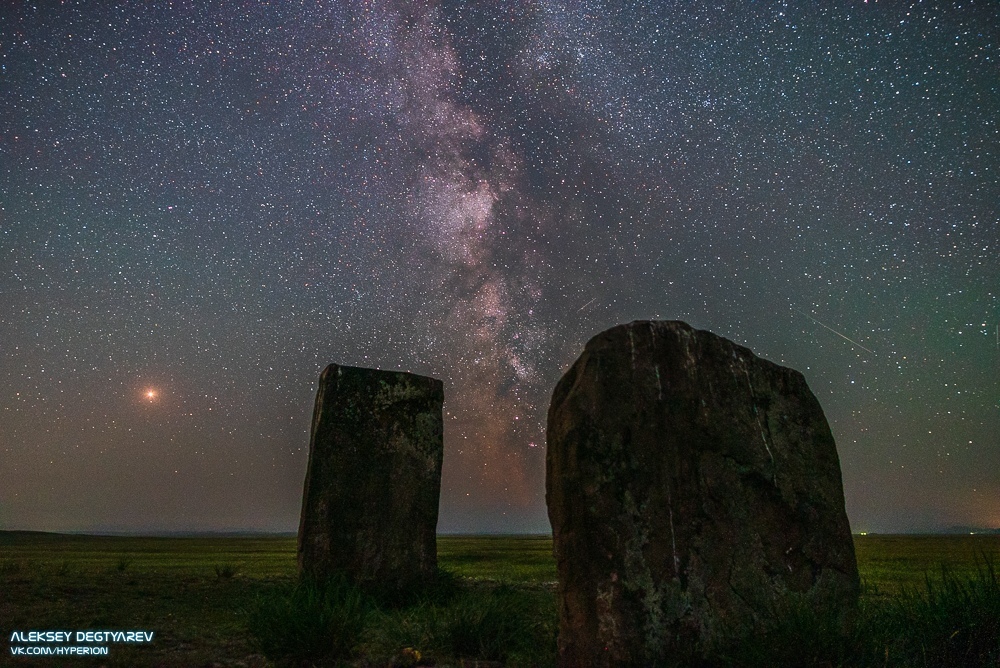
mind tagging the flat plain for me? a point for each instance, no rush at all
(890, 564)
(194, 592)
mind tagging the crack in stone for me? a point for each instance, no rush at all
(756, 414)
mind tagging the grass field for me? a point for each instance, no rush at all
(199, 595)
(889, 564)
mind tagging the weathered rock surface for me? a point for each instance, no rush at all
(694, 492)
(370, 506)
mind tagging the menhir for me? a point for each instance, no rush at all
(370, 506)
(695, 496)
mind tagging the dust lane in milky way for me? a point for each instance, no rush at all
(203, 206)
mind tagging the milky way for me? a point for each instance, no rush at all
(201, 207)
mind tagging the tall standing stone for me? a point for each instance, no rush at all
(694, 491)
(370, 506)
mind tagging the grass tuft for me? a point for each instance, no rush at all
(953, 621)
(334, 621)
(493, 625)
(11, 567)
(516, 626)
(225, 571)
(311, 622)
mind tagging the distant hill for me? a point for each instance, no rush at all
(235, 533)
(11, 535)
(15, 537)
(970, 530)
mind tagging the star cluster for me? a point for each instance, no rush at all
(202, 205)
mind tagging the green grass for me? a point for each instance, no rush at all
(166, 585)
(309, 621)
(951, 620)
(512, 624)
(522, 559)
(207, 599)
(254, 556)
(892, 564)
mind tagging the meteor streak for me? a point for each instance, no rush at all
(843, 336)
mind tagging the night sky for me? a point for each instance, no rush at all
(204, 204)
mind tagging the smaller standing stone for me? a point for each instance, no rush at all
(370, 505)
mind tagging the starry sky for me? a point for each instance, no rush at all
(204, 204)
